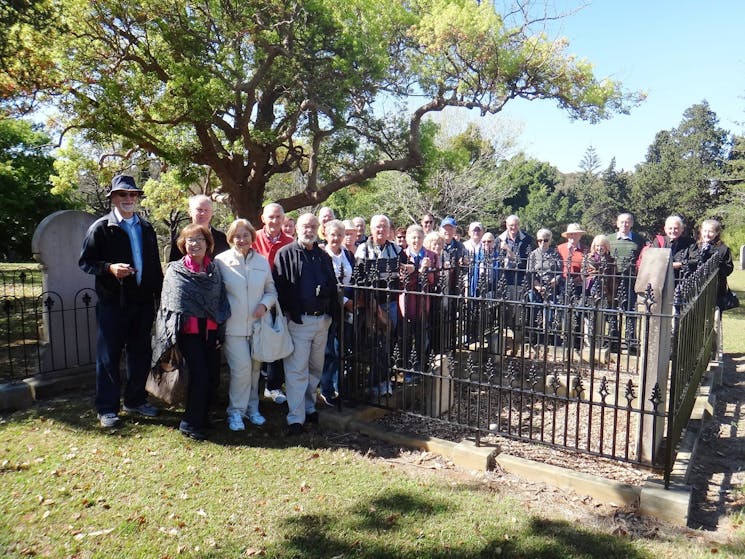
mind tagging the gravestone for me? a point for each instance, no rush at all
(656, 270)
(68, 301)
(742, 257)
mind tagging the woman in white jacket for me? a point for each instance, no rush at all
(251, 292)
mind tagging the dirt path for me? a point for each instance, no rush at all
(718, 481)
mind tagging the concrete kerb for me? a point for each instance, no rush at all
(671, 505)
(20, 395)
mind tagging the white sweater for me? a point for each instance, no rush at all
(248, 281)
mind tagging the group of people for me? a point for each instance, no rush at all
(332, 279)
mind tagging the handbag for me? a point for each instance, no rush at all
(728, 301)
(271, 339)
(169, 380)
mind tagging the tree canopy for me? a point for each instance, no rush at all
(25, 198)
(332, 91)
(681, 168)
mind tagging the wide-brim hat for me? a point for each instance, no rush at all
(123, 182)
(573, 228)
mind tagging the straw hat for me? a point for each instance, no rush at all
(573, 228)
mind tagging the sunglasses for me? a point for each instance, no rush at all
(123, 194)
(544, 240)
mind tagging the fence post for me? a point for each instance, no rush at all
(655, 289)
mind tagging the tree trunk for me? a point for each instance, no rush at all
(246, 199)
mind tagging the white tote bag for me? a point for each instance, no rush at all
(271, 339)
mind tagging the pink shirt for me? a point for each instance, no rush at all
(191, 325)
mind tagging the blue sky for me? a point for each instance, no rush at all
(680, 52)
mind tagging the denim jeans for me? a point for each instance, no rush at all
(330, 375)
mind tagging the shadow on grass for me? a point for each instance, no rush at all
(76, 410)
(387, 528)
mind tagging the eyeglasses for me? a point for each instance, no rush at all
(124, 194)
(195, 240)
(544, 240)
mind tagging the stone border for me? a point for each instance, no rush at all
(652, 499)
(20, 395)
(670, 505)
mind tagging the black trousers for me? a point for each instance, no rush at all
(203, 361)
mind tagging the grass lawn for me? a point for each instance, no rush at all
(69, 489)
(733, 320)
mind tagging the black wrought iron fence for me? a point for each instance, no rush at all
(559, 358)
(41, 331)
(536, 352)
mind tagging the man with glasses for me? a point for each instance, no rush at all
(428, 223)
(359, 225)
(306, 290)
(269, 239)
(121, 250)
(401, 237)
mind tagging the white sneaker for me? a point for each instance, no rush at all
(235, 422)
(108, 420)
(256, 418)
(277, 396)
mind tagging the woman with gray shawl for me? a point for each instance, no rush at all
(192, 314)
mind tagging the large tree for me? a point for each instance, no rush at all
(335, 90)
(680, 170)
(26, 27)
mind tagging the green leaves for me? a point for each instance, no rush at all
(25, 166)
(330, 91)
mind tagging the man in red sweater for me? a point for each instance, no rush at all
(269, 239)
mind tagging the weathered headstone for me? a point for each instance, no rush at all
(656, 271)
(68, 300)
(742, 257)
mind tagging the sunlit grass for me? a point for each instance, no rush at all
(733, 321)
(68, 489)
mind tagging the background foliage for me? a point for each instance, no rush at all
(328, 103)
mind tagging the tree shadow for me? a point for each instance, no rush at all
(367, 523)
(717, 464)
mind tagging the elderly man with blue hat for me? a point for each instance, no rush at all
(121, 250)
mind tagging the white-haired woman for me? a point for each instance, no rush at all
(545, 277)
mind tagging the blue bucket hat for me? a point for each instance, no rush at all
(123, 182)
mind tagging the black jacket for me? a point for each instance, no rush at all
(725, 263)
(683, 250)
(288, 269)
(107, 243)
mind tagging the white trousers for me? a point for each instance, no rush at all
(243, 393)
(303, 367)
